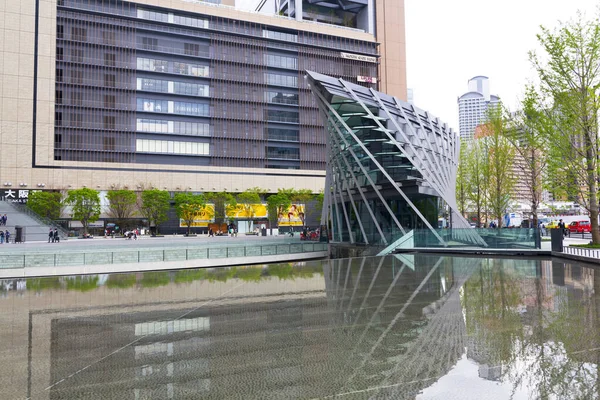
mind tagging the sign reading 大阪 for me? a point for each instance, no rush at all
(16, 195)
(359, 57)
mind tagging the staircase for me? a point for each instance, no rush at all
(35, 228)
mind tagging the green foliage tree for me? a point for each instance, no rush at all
(277, 204)
(85, 205)
(462, 182)
(221, 200)
(188, 206)
(570, 78)
(122, 205)
(500, 160)
(529, 138)
(248, 199)
(45, 204)
(477, 183)
(155, 205)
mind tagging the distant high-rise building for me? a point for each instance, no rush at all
(473, 105)
(410, 96)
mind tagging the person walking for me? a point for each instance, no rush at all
(4, 219)
(1, 237)
(7, 236)
(51, 236)
(56, 238)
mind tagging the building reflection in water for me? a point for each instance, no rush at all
(392, 327)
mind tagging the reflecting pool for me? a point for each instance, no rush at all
(400, 327)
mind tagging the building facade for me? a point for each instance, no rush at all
(176, 95)
(473, 106)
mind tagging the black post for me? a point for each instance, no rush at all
(556, 238)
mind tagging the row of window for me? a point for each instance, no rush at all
(280, 80)
(163, 86)
(272, 60)
(173, 107)
(171, 18)
(289, 135)
(286, 153)
(281, 116)
(289, 37)
(172, 147)
(281, 98)
(172, 127)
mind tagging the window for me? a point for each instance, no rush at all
(79, 34)
(76, 76)
(109, 101)
(109, 143)
(109, 122)
(58, 119)
(281, 98)
(273, 60)
(191, 128)
(58, 96)
(76, 119)
(188, 108)
(149, 43)
(280, 80)
(59, 53)
(288, 135)
(110, 59)
(281, 116)
(151, 64)
(152, 15)
(190, 69)
(191, 89)
(172, 147)
(77, 55)
(191, 49)
(59, 75)
(109, 80)
(153, 85)
(108, 37)
(152, 105)
(290, 37)
(76, 98)
(60, 32)
(285, 153)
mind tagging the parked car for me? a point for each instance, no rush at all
(552, 225)
(580, 226)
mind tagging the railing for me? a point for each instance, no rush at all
(41, 220)
(121, 256)
(581, 251)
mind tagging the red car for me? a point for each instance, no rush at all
(580, 226)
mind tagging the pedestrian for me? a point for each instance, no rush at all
(7, 236)
(210, 232)
(4, 219)
(1, 237)
(51, 236)
(56, 237)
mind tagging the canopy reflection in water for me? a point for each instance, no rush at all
(379, 327)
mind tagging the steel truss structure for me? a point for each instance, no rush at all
(389, 164)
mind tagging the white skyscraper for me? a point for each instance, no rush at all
(472, 106)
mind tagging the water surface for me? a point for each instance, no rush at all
(425, 327)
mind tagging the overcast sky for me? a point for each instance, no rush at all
(449, 42)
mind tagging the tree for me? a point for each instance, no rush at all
(500, 157)
(45, 204)
(570, 77)
(301, 197)
(122, 205)
(85, 205)
(477, 183)
(248, 199)
(155, 205)
(277, 204)
(462, 182)
(221, 200)
(529, 139)
(188, 206)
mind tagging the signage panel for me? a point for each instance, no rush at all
(368, 79)
(359, 57)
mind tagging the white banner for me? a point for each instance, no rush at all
(358, 57)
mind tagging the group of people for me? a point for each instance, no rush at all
(3, 220)
(231, 231)
(53, 236)
(4, 236)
